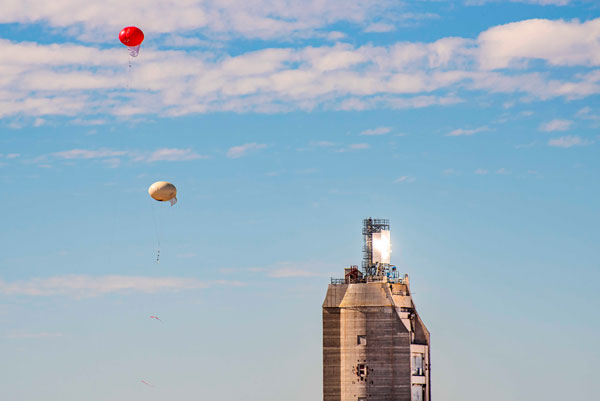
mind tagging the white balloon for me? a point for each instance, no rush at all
(163, 191)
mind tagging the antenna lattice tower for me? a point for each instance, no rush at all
(371, 226)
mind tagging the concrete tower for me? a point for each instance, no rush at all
(375, 346)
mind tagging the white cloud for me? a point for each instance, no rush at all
(84, 83)
(380, 27)
(376, 131)
(321, 143)
(568, 141)
(175, 40)
(405, 178)
(466, 132)
(88, 154)
(335, 35)
(112, 162)
(502, 171)
(481, 171)
(236, 152)
(556, 125)
(539, 2)
(396, 102)
(171, 154)
(81, 286)
(353, 147)
(587, 113)
(573, 43)
(547, 2)
(88, 122)
(111, 156)
(102, 19)
(536, 84)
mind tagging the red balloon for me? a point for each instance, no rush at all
(131, 36)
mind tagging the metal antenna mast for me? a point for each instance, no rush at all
(370, 227)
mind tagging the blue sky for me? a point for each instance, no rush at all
(472, 125)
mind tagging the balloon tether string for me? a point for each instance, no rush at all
(157, 235)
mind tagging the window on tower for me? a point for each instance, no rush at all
(361, 339)
(417, 393)
(417, 364)
(361, 371)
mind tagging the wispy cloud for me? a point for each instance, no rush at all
(539, 2)
(481, 171)
(261, 19)
(172, 155)
(88, 154)
(45, 80)
(82, 286)
(321, 143)
(9, 156)
(556, 125)
(587, 113)
(466, 132)
(574, 43)
(235, 152)
(88, 122)
(112, 157)
(376, 131)
(568, 141)
(405, 178)
(353, 147)
(380, 27)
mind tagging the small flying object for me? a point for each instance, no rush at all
(155, 317)
(146, 383)
(132, 37)
(163, 191)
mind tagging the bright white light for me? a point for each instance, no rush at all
(382, 247)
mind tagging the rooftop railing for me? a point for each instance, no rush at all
(368, 279)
